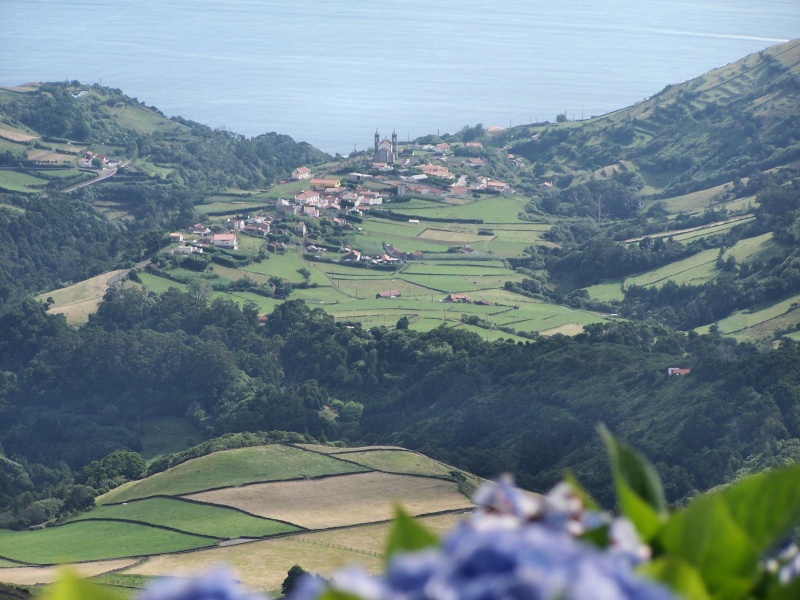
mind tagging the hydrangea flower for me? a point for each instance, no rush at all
(514, 546)
(219, 584)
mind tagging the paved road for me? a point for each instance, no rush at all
(104, 174)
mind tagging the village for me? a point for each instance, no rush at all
(390, 174)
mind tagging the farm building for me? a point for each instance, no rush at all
(388, 294)
(676, 371)
(457, 298)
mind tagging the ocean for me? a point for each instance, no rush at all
(331, 73)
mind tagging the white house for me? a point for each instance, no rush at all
(225, 240)
(301, 173)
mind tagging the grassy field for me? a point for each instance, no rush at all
(761, 323)
(397, 461)
(232, 468)
(156, 284)
(42, 575)
(190, 517)
(319, 552)
(19, 182)
(93, 540)
(339, 501)
(362, 502)
(78, 301)
(491, 209)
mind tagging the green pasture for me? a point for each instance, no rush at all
(371, 242)
(251, 244)
(286, 190)
(191, 517)
(10, 146)
(237, 274)
(165, 435)
(142, 119)
(286, 266)
(321, 295)
(747, 204)
(491, 209)
(695, 202)
(156, 284)
(230, 206)
(394, 228)
(19, 182)
(398, 461)
(57, 173)
(7, 563)
(606, 291)
(701, 267)
(153, 169)
(478, 269)
(94, 540)
(231, 468)
(263, 304)
(502, 247)
(697, 269)
(761, 247)
(447, 284)
(490, 335)
(762, 323)
(706, 231)
(541, 317)
(124, 583)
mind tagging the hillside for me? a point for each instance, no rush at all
(509, 291)
(319, 506)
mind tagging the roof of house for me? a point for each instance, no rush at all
(388, 293)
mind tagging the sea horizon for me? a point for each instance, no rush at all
(332, 75)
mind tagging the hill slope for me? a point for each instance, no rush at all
(303, 493)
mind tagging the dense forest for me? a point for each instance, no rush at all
(71, 397)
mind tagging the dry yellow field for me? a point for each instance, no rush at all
(38, 575)
(263, 565)
(258, 565)
(565, 329)
(78, 301)
(342, 500)
(15, 135)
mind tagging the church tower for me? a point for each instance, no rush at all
(394, 143)
(377, 140)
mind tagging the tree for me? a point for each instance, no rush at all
(402, 323)
(97, 163)
(292, 577)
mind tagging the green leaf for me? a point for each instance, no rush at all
(766, 505)
(638, 486)
(790, 591)
(706, 535)
(680, 576)
(331, 594)
(407, 535)
(723, 534)
(71, 587)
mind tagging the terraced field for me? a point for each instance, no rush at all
(260, 510)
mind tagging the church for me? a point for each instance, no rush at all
(385, 151)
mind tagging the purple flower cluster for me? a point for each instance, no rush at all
(216, 585)
(514, 546)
